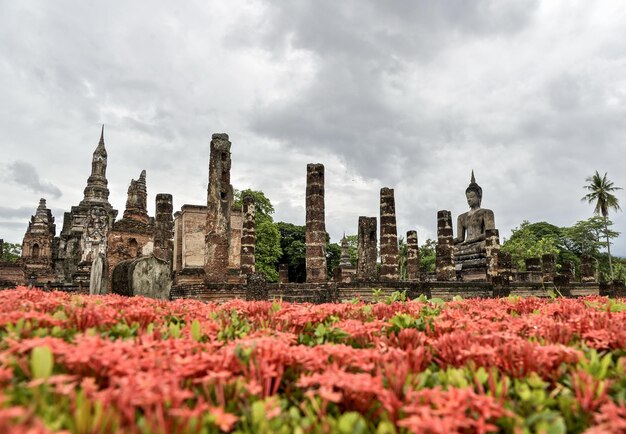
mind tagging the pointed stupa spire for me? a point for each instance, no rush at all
(96, 189)
(102, 136)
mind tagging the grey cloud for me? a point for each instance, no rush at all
(23, 173)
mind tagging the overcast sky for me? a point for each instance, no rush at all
(410, 95)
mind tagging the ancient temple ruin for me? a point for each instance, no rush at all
(208, 250)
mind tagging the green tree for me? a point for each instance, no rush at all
(333, 255)
(11, 252)
(402, 258)
(532, 240)
(428, 256)
(268, 251)
(601, 193)
(292, 243)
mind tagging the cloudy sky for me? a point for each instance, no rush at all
(411, 95)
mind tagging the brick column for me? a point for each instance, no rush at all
(492, 247)
(248, 236)
(587, 268)
(366, 249)
(164, 227)
(315, 224)
(388, 236)
(548, 267)
(219, 203)
(444, 261)
(412, 256)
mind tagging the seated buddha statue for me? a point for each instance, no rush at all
(469, 245)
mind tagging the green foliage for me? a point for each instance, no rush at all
(262, 205)
(601, 192)
(402, 258)
(292, 243)
(532, 240)
(333, 255)
(268, 251)
(11, 252)
(428, 256)
(41, 362)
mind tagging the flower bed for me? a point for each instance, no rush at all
(88, 364)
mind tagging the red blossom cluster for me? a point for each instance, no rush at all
(465, 366)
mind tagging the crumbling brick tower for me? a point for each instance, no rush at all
(315, 224)
(366, 249)
(248, 239)
(164, 227)
(412, 256)
(37, 247)
(388, 236)
(219, 203)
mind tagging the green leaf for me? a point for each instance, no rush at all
(196, 331)
(351, 423)
(41, 362)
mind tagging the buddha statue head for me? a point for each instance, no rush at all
(474, 193)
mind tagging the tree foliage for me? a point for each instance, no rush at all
(11, 252)
(428, 256)
(601, 192)
(531, 240)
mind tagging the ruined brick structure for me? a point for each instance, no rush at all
(213, 252)
(315, 225)
(388, 236)
(248, 238)
(208, 239)
(366, 249)
(412, 256)
(492, 247)
(39, 245)
(444, 260)
(86, 227)
(164, 227)
(219, 204)
(133, 235)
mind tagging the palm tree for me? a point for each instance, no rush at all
(601, 193)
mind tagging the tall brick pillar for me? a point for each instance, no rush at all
(164, 227)
(412, 256)
(315, 225)
(366, 249)
(444, 260)
(388, 236)
(587, 268)
(548, 267)
(248, 237)
(219, 203)
(492, 247)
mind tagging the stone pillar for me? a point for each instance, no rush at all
(444, 260)
(219, 203)
(248, 237)
(505, 265)
(1, 249)
(533, 265)
(587, 268)
(412, 256)
(256, 287)
(164, 227)
(366, 249)
(548, 267)
(283, 273)
(388, 236)
(492, 247)
(315, 225)
(568, 269)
